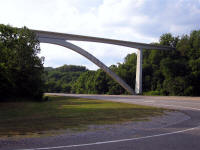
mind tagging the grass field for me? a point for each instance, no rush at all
(26, 118)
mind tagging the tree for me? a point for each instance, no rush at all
(20, 68)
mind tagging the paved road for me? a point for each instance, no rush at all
(181, 136)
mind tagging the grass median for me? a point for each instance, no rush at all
(26, 118)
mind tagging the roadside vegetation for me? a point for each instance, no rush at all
(21, 70)
(33, 118)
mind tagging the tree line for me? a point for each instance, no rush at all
(172, 72)
(62, 78)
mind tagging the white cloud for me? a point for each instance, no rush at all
(132, 20)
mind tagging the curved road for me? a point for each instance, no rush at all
(180, 136)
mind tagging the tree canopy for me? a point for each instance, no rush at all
(21, 69)
(62, 78)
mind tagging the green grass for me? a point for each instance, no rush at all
(153, 93)
(25, 118)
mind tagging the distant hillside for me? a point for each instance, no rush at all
(60, 79)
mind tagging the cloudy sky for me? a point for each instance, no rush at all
(132, 20)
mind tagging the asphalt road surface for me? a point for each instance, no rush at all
(184, 135)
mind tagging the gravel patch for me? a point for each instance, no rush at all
(163, 121)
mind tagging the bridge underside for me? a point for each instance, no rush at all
(62, 40)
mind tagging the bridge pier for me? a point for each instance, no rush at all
(138, 80)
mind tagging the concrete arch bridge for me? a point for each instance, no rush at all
(63, 39)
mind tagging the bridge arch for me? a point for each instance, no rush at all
(90, 57)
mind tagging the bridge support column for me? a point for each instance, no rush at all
(138, 80)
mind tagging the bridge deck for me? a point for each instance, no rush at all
(64, 36)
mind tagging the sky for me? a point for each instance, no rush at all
(131, 20)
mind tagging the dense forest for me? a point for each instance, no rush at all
(21, 70)
(62, 78)
(175, 72)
